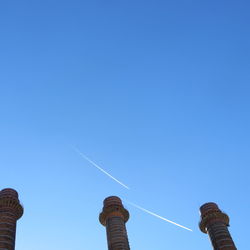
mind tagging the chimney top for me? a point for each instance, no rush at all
(9, 192)
(112, 201)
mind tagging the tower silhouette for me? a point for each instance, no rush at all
(214, 222)
(113, 217)
(10, 211)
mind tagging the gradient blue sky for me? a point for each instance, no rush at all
(156, 92)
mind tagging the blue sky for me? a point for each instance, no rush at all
(155, 92)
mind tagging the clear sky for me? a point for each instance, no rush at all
(155, 92)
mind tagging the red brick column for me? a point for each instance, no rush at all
(214, 222)
(113, 217)
(10, 212)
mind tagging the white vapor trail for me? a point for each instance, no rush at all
(98, 167)
(158, 216)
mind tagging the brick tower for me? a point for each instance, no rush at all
(214, 222)
(113, 217)
(10, 212)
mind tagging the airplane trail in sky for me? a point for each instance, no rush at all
(158, 216)
(98, 167)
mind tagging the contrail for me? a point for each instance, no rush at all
(158, 216)
(98, 167)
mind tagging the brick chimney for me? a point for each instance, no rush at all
(113, 217)
(214, 222)
(10, 211)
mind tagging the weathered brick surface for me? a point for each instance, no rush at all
(10, 211)
(214, 222)
(113, 217)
